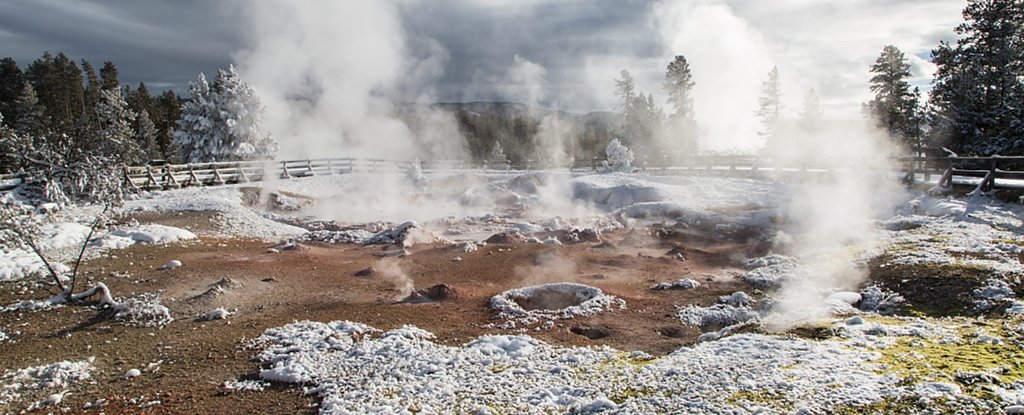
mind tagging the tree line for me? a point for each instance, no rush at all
(976, 105)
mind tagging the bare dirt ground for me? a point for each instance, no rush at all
(185, 364)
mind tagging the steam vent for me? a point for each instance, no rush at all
(553, 301)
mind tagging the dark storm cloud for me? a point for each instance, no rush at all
(483, 39)
(163, 43)
(581, 44)
(166, 43)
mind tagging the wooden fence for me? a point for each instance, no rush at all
(981, 173)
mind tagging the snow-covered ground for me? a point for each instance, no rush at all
(41, 386)
(357, 369)
(976, 232)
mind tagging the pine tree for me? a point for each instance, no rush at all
(139, 100)
(13, 148)
(221, 123)
(196, 123)
(108, 76)
(58, 83)
(769, 106)
(12, 82)
(811, 114)
(894, 108)
(168, 111)
(32, 120)
(679, 87)
(116, 138)
(145, 137)
(625, 88)
(976, 102)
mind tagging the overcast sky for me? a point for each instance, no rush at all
(555, 53)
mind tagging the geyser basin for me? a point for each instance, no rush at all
(564, 300)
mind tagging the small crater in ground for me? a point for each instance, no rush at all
(548, 300)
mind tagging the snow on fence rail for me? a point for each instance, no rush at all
(983, 173)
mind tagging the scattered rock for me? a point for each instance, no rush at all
(132, 373)
(436, 293)
(591, 332)
(367, 272)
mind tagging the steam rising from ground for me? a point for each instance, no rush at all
(324, 71)
(830, 223)
(729, 60)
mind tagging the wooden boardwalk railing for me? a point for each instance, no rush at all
(982, 173)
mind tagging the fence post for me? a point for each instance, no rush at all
(508, 167)
(242, 176)
(284, 170)
(593, 164)
(169, 181)
(127, 179)
(192, 178)
(217, 179)
(351, 165)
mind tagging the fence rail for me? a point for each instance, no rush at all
(982, 173)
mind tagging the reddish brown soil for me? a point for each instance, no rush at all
(318, 283)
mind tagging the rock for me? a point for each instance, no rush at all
(855, 321)
(132, 373)
(367, 272)
(171, 265)
(219, 313)
(1015, 409)
(504, 238)
(439, 292)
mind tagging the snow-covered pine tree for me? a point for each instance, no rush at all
(222, 122)
(145, 136)
(32, 120)
(116, 137)
(14, 148)
(979, 82)
(497, 154)
(619, 157)
(196, 123)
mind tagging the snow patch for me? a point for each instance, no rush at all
(35, 381)
(680, 284)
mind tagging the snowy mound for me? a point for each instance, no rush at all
(37, 382)
(354, 370)
(770, 271)
(718, 315)
(989, 237)
(154, 233)
(234, 217)
(681, 284)
(562, 300)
